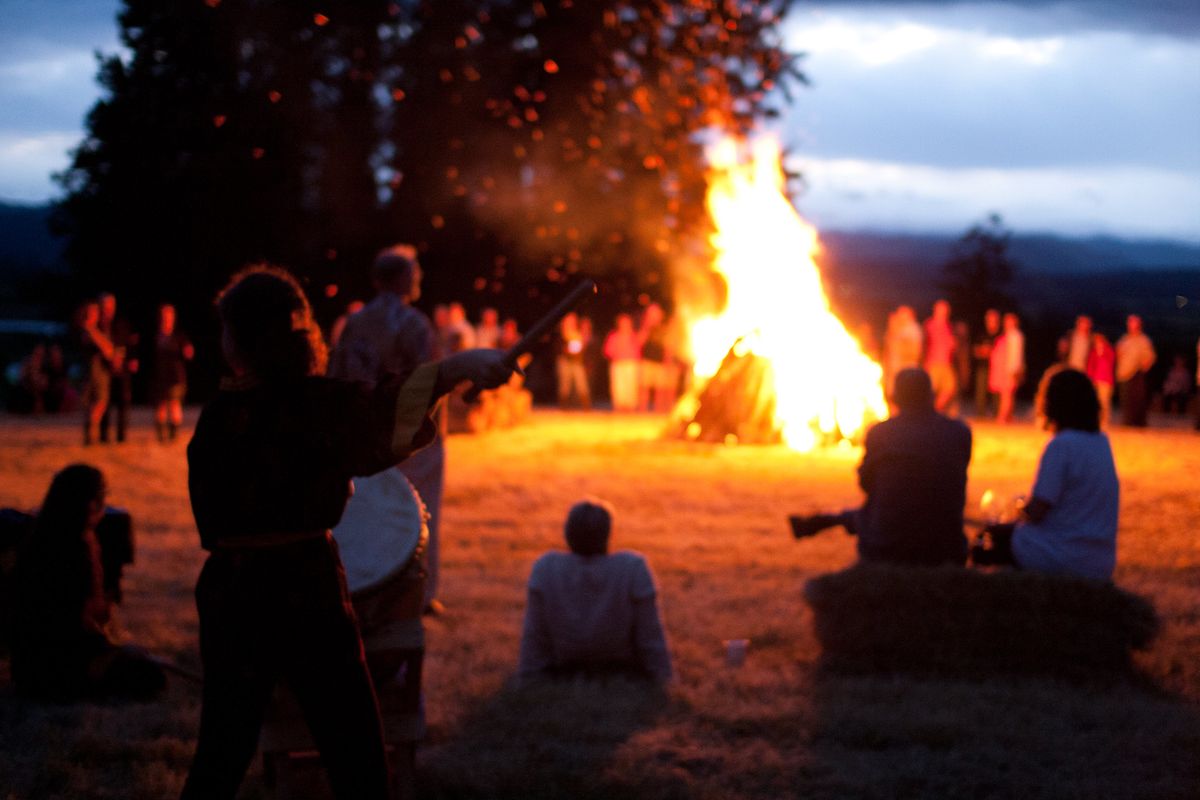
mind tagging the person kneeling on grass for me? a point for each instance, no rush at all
(592, 612)
(61, 648)
(914, 471)
(1069, 527)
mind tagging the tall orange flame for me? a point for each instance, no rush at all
(825, 386)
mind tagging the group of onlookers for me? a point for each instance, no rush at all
(113, 353)
(991, 365)
(646, 362)
(455, 332)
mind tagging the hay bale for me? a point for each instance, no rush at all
(954, 621)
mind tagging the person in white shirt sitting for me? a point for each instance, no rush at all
(1069, 526)
(592, 612)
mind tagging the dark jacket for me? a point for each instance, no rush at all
(914, 471)
(278, 459)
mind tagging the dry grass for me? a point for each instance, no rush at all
(710, 520)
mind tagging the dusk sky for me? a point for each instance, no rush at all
(1076, 117)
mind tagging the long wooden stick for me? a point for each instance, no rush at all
(540, 328)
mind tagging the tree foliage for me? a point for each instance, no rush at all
(527, 139)
(977, 274)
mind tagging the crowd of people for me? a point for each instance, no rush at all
(990, 367)
(914, 475)
(642, 361)
(279, 453)
(646, 356)
(109, 352)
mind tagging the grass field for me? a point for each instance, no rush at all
(710, 519)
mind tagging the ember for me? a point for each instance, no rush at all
(775, 365)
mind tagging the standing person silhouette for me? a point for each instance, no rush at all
(168, 374)
(98, 354)
(269, 475)
(387, 336)
(122, 366)
(1135, 357)
(1007, 371)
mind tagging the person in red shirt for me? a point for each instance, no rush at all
(1101, 367)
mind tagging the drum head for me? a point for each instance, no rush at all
(380, 529)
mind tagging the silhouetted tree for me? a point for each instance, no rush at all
(528, 138)
(976, 275)
(573, 131)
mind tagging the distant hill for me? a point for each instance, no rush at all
(923, 254)
(867, 272)
(26, 245)
(1057, 276)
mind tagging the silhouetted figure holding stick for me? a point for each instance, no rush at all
(269, 475)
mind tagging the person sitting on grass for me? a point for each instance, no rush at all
(592, 612)
(1069, 527)
(914, 471)
(61, 648)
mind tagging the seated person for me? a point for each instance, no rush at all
(914, 472)
(61, 649)
(1069, 527)
(590, 611)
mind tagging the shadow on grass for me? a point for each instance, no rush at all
(553, 739)
(938, 684)
(135, 751)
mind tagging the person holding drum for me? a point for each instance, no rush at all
(390, 336)
(269, 475)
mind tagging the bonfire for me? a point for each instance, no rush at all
(775, 364)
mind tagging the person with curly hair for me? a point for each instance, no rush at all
(270, 465)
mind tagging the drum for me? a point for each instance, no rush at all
(381, 530)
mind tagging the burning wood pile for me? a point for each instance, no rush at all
(775, 364)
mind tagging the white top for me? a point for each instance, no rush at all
(1135, 353)
(1078, 536)
(593, 609)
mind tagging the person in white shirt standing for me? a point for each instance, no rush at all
(1076, 345)
(1007, 371)
(592, 612)
(1135, 357)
